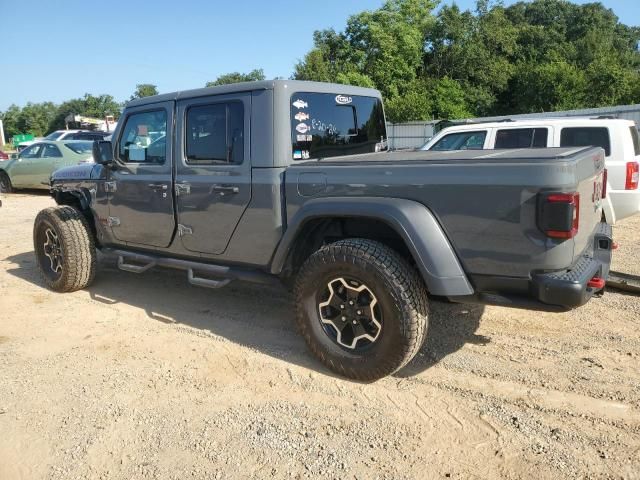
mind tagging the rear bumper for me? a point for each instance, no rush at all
(560, 290)
(570, 288)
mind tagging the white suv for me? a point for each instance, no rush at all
(618, 138)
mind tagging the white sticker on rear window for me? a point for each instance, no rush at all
(303, 128)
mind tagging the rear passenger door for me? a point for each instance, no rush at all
(213, 169)
(510, 138)
(43, 167)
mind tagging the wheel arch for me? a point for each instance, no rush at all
(405, 225)
(79, 199)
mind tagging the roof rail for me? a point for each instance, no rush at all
(605, 117)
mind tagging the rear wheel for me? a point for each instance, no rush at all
(64, 248)
(5, 183)
(361, 308)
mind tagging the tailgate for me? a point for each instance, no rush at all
(590, 171)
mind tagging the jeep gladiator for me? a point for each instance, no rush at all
(293, 181)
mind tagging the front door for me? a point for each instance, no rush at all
(139, 186)
(213, 171)
(21, 171)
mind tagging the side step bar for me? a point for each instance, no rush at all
(139, 263)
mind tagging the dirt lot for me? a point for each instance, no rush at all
(146, 377)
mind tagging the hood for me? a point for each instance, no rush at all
(86, 171)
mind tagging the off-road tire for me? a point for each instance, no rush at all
(400, 291)
(77, 246)
(5, 183)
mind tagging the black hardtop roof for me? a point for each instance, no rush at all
(291, 85)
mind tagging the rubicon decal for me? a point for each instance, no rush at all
(303, 128)
(300, 104)
(343, 100)
(301, 116)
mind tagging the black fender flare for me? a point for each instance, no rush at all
(82, 194)
(424, 237)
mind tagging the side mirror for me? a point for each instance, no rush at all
(14, 156)
(102, 152)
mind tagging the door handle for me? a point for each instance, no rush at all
(224, 189)
(157, 186)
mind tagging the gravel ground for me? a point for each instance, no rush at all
(143, 377)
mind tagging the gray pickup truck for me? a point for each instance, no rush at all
(293, 181)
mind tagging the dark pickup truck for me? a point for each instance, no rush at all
(293, 181)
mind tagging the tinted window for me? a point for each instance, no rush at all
(32, 151)
(585, 137)
(51, 151)
(215, 134)
(80, 147)
(461, 141)
(143, 139)
(328, 125)
(87, 136)
(54, 135)
(522, 138)
(636, 139)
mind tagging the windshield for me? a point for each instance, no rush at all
(80, 147)
(53, 136)
(328, 125)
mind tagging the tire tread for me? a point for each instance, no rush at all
(79, 248)
(411, 300)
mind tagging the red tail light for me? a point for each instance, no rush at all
(632, 176)
(559, 215)
(604, 184)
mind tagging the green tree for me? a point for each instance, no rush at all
(529, 57)
(10, 120)
(90, 106)
(237, 77)
(144, 90)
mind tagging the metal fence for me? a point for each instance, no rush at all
(409, 135)
(416, 134)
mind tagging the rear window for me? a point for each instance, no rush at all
(80, 147)
(636, 139)
(461, 141)
(327, 125)
(522, 138)
(586, 137)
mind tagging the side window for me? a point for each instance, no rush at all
(521, 138)
(144, 138)
(635, 137)
(461, 141)
(585, 137)
(215, 134)
(51, 151)
(32, 151)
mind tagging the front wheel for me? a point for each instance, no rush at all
(361, 308)
(64, 248)
(5, 183)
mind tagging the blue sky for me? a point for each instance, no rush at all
(60, 50)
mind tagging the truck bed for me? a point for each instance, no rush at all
(486, 201)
